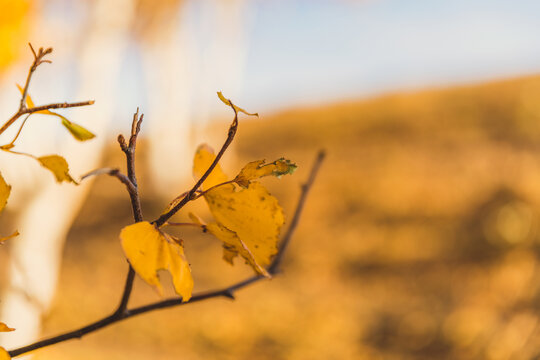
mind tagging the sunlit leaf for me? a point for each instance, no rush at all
(228, 102)
(4, 355)
(204, 156)
(58, 166)
(248, 220)
(257, 169)
(232, 246)
(78, 132)
(5, 328)
(149, 250)
(30, 103)
(5, 189)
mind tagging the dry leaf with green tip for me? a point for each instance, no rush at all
(78, 132)
(258, 169)
(58, 166)
(4, 355)
(149, 250)
(248, 220)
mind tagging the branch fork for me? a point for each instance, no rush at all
(122, 311)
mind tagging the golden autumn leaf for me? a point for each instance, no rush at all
(58, 166)
(4, 355)
(228, 102)
(149, 250)
(30, 103)
(248, 220)
(258, 169)
(233, 245)
(5, 190)
(204, 156)
(5, 328)
(78, 132)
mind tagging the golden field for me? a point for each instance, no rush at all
(419, 240)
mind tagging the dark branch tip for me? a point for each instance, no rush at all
(33, 51)
(122, 142)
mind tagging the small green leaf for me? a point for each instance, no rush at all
(76, 130)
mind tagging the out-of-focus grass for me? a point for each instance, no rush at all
(419, 241)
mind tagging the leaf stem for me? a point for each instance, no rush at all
(191, 193)
(122, 313)
(38, 60)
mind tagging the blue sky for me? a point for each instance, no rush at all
(311, 51)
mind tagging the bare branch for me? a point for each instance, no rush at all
(274, 266)
(115, 173)
(38, 60)
(191, 193)
(123, 313)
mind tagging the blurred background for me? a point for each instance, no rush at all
(420, 238)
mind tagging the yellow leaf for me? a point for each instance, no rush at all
(2, 239)
(148, 250)
(229, 253)
(253, 215)
(59, 167)
(258, 169)
(76, 130)
(4, 355)
(204, 157)
(5, 328)
(232, 246)
(248, 220)
(5, 189)
(228, 102)
(30, 103)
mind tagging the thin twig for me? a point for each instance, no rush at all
(202, 193)
(115, 173)
(200, 226)
(38, 60)
(129, 151)
(227, 292)
(274, 266)
(12, 143)
(190, 194)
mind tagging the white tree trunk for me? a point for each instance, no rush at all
(45, 221)
(183, 73)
